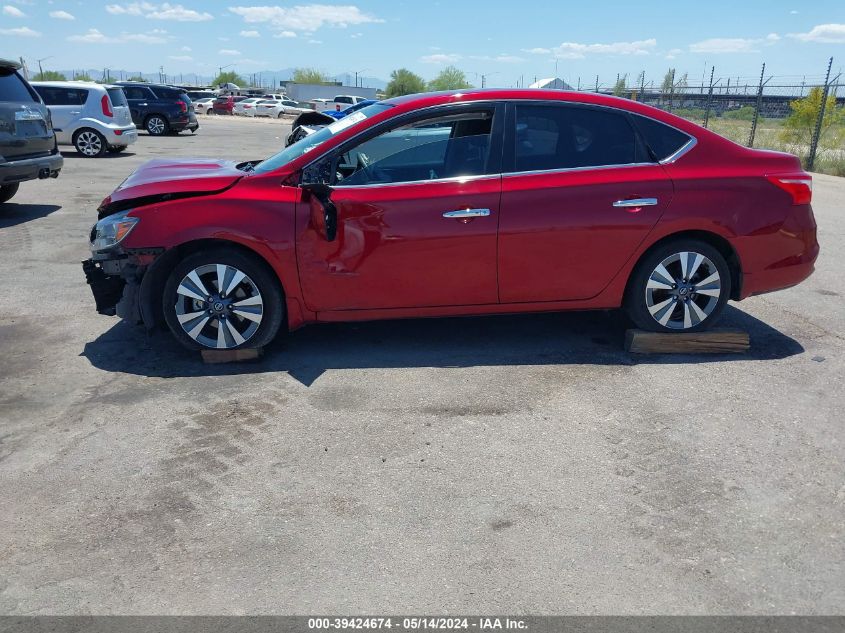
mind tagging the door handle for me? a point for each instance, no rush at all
(467, 213)
(635, 202)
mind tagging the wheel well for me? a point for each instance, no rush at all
(152, 285)
(716, 241)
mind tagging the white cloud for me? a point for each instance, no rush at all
(284, 34)
(187, 49)
(823, 33)
(181, 58)
(165, 11)
(230, 52)
(250, 34)
(674, 52)
(440, 58)
(309, 17)
(537, 51)
(13, 11)
(21, 31)
(315, 41)
(719, 45)
(576, 50)
(95, 36)
(61, 15)
(501, 58)
(355, 36)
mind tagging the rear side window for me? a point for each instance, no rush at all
(53, 96)
(13, 88)
(567, 137)
(117, 97)
(136, 92)
(661, 139)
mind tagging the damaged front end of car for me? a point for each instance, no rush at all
(114, 273)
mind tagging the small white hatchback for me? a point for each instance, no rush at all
(94, 118)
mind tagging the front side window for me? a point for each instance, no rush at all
(448, 146)
(550, 137)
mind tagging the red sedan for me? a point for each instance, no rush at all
(475, 202)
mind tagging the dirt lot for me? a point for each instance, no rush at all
(508, 464)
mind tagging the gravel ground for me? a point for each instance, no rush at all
(503, 464)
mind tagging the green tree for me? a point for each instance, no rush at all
(801, 123)
(228, 77)
(136, 78)
(404, 82)
(83, 77)
(309, 76)
(49, 75)
(450, 78)
(620, 87)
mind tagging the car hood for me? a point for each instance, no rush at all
(163, 179)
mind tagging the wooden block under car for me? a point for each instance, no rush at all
(717, 341)
(216, 356)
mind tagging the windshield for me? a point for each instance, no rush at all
(311, 141)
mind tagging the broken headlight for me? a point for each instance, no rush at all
(110, 231)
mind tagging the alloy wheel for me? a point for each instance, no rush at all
(89, 143)
(219, 306)
(155, 126)
(683, 290)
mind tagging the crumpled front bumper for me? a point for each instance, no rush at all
(107, 289)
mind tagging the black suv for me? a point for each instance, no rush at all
(159, 109)
(27, 142)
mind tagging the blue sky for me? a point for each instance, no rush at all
(504, 40)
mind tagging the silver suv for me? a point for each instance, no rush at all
(94, 118)
(27, 142)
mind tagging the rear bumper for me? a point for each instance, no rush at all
(179, 126)
(31, 168)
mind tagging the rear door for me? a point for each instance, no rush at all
(25, 130)
(138, 98)
(579, 194)
(66, 106)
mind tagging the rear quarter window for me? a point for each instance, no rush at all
(662, 139)
(13, 87)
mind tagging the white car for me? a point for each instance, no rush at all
(204, 105)
(276, 109)
(321, 105)
(94, 118)
(246, 104)
(277, 97)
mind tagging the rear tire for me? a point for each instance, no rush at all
(7, 192)
(89, 143)
(249, 309)
(156, 125)
(681, 286)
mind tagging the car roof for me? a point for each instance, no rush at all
(9, 63)
(92, 85)
(431, 99)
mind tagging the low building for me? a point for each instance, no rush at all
(552, 83)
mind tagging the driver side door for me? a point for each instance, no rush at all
(417, 205)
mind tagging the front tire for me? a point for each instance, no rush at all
(7, 192)
(156, 125)
(681, 286)
(90, 143)
(223, 299)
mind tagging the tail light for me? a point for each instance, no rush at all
(105, 104)
(182, 105)
(247, 106)
(799, 186)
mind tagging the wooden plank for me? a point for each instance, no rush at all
(216, 356)
(716, 341)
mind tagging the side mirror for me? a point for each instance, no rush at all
(323, 210)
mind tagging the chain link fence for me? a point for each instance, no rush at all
(805, 118)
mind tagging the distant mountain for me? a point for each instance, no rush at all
(262, 77)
